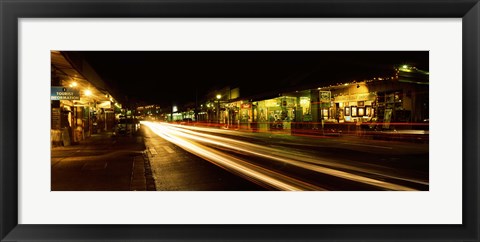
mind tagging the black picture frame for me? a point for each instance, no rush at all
(353, 110)
(347, 111)
(11, 11)
(361, 111)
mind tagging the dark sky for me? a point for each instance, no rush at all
(166, 77)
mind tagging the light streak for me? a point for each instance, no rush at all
(189, 139)
(231, 163)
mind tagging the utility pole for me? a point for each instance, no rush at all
(218, 108)
(196, 104)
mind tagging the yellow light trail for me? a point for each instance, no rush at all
(188, 139)
(240, 167)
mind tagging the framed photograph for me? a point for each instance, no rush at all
(120, 121)
(347, 111)
(354, 111)
(361, 111)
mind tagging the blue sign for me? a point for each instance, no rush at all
(64, 93)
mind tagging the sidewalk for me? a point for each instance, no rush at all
(102, 163)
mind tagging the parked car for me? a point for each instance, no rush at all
(126, 126)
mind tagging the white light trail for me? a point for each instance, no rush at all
(289, 155)
(190, 140)
(231, 163)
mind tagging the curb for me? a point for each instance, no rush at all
(150, 182)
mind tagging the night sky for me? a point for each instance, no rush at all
(166, 77)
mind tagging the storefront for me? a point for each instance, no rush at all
(78, 108)
(231, 113)
(353, 107)
(276, 113)
(383, 101)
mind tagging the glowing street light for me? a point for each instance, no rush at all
(218, 107)
(88, 92)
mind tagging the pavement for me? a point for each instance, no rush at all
(102, 162)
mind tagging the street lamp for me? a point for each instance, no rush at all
(218, 107)
(174, 110)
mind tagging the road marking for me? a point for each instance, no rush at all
(168, 149)
(153, 151)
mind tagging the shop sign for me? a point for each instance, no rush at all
(64, 93)
(325, 99)
(246, 105)
(104, 104)
(355, 97)
(272, 103)
(325, 96)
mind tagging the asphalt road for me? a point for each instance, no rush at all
(189, 158)
(175, 169)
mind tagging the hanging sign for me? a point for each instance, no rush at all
(325, 99)
(64, 93)
(325, 96)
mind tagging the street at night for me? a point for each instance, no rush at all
(228, 121)
(258, 121)
(193, 158)
(284, 162)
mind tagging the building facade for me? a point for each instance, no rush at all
(80, 103)
(400, 101)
